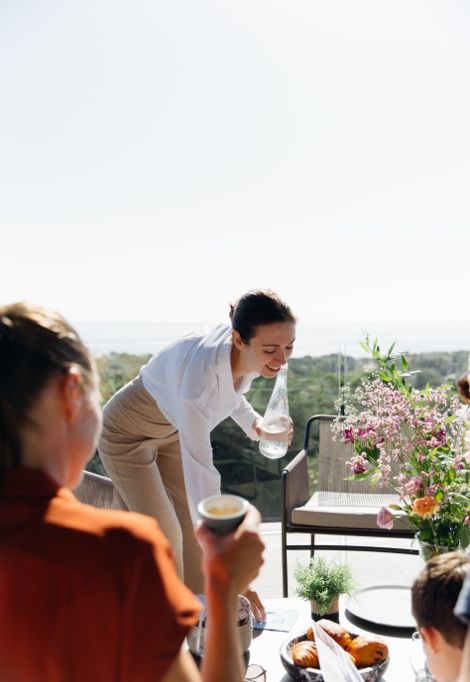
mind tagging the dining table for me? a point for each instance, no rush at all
(266, 644)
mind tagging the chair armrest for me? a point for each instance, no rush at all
(295, 484)
(96, 490)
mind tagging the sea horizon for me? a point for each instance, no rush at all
(313, 339)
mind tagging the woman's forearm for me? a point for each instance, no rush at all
(230, 563)
(222, 649)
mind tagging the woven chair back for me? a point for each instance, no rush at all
(333, 472)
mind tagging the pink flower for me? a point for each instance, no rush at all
(385, 519)
(412, 440)
(413, 485)
(358, 465)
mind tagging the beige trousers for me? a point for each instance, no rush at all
(140, 450)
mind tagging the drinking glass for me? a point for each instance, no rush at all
(255, 673)
(418, 660)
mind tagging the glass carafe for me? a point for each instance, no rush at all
(275, 427)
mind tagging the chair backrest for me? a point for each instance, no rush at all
(332, 469)
(98, 491)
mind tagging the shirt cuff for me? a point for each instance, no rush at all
(250, 432)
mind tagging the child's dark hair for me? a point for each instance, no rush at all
(35, 344)
(434, 594)
(463, 387)
(258, 307)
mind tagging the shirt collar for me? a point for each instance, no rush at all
(25, 482)
(225, 372)
(225, 377)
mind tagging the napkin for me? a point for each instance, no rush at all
(336, 666)
(282, 621)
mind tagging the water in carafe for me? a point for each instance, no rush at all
(276, 422)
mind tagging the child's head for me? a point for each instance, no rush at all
(46, 374)
(463, 387)
(433, 597)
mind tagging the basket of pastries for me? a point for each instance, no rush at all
(368, 653)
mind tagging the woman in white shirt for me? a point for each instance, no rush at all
(155, 443)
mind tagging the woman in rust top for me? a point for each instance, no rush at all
(88, 594)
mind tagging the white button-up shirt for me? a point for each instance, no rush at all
(191, 381)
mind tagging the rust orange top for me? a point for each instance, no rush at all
(85, 594)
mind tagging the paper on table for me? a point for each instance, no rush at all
(282, 621)
(335, 664)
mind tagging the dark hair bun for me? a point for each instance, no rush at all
(256, 308)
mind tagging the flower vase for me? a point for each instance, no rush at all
(428, 550)
(332, 613)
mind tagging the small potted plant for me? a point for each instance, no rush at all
(322, 582)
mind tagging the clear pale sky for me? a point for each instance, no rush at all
(159, 158)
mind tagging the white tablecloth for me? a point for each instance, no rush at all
(265, 646)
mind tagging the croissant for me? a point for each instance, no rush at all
(304, 654)
(336, 632)
(367, 651)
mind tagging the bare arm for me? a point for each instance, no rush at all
(222, 655)
(229, 563)
(183, 669)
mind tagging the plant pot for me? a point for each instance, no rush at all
(332, 613)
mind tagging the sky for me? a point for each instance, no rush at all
(158, 159)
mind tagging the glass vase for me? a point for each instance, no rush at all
(428, 550)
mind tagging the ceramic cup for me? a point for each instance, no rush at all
(196, 634)
(222, 513)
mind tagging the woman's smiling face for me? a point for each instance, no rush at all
(268, 349)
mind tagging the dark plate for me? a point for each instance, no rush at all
(372, 674)
(394, 612)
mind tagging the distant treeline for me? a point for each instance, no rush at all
(313, 384)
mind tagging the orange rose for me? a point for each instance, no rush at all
(425, 506)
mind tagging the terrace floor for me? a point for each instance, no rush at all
(369, 567)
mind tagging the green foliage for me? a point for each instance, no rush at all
(322, 581)
(116, 370)
(95, 465)
(386, 366)
(313, 388)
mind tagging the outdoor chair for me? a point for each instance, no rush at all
(98, 491)
(339, 507)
